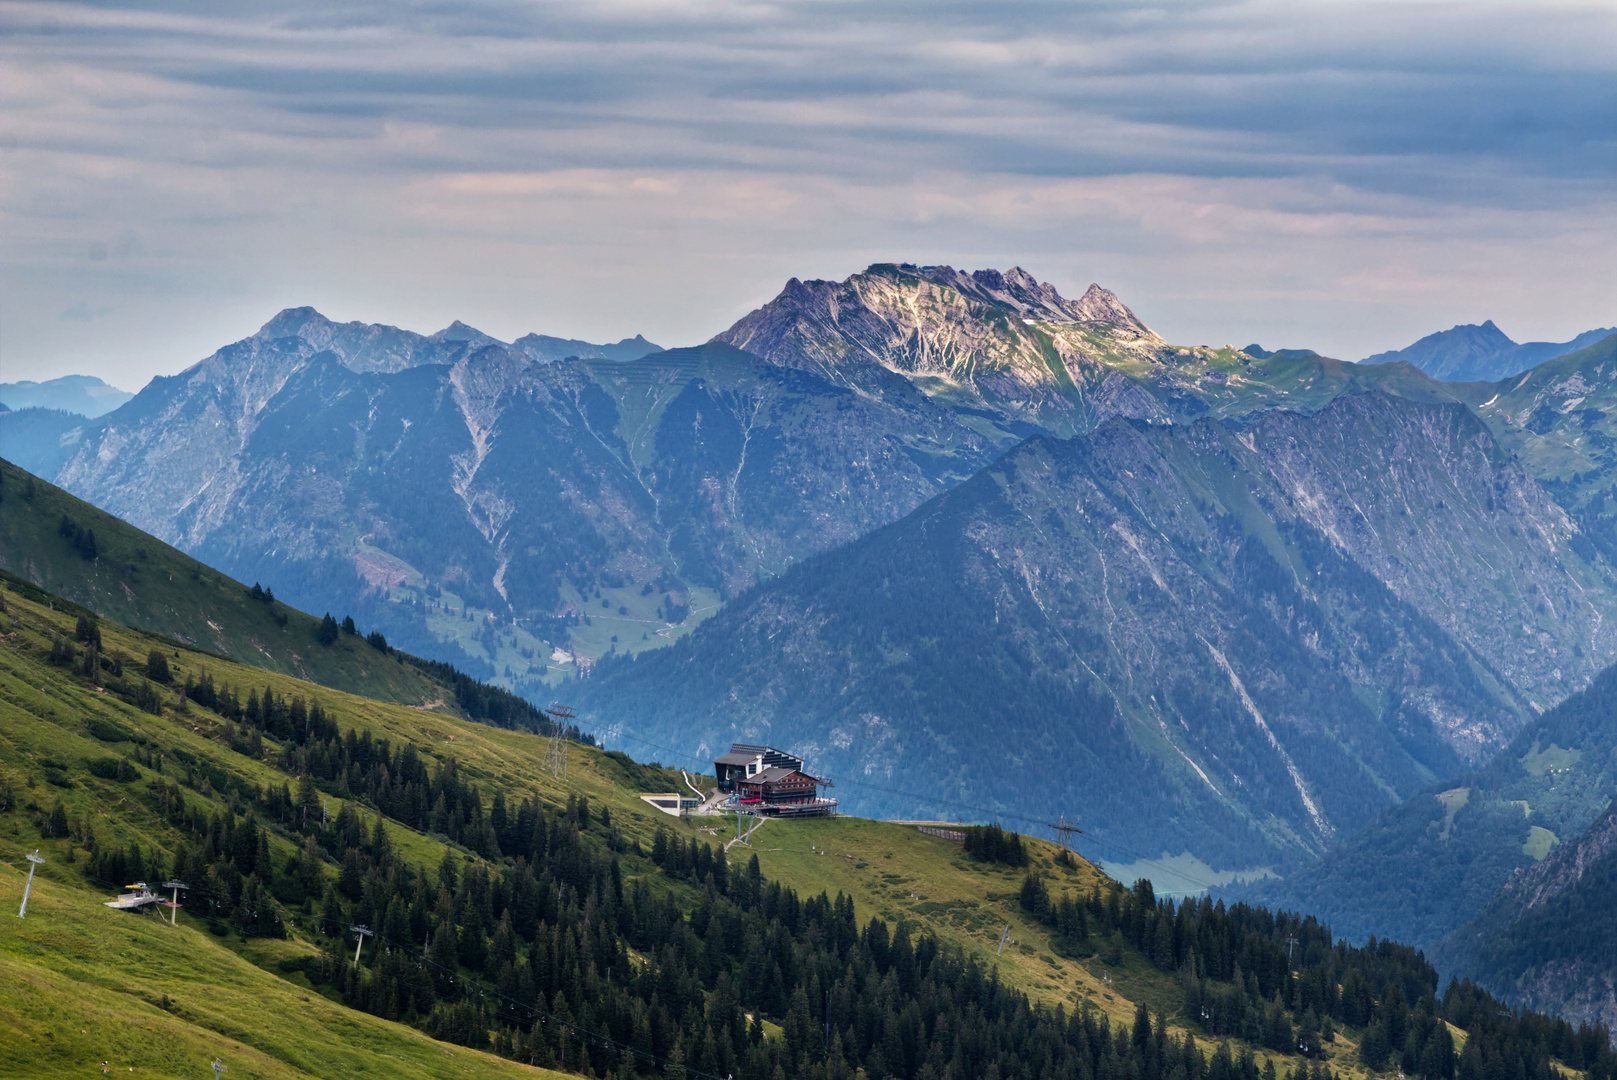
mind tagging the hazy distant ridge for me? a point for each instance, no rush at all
(83, 394)
(1472, 353)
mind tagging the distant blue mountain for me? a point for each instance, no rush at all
(1472, 353)
(83, 394)
(547, 350)
(543, 347)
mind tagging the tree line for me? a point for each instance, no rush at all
(1279, 980)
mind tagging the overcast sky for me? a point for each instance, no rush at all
(1342, 176)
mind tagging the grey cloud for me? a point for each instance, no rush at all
(1297, 151)
(1232, 89)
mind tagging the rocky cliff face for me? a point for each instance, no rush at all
(1193, 637)
(1004, 337)
(171, 460)
(1011, 345)
(1452, 524)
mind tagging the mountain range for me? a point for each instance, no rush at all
(969, 542)
(1472, 353)
(566, 499)
(546, 512)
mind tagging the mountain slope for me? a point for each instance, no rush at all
(1561, 418)
(40, 440)
(85, 985)
(1483, 353)
(1548, 939)
(53, 542)
(72, 549)
(1425, 867)
(1179, 615)
(511, 507)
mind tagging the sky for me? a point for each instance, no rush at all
(1340, 176)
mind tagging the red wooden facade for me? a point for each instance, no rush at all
(776, 786)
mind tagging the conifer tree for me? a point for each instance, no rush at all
(87, 630)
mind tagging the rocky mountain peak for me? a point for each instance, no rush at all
(292, 322)
(1018, 291)
(459, 331)
(1003, 334)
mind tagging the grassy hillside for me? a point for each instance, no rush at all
(127, 575)
(85, 985)
(258, 971)
(497, 759)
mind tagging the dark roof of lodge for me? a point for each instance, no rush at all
(734, 757)
(774, 776)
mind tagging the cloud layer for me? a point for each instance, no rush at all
(1346, 176)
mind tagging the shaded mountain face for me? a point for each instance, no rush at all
(342, 462)
(40, 440)
(1472, 353)
(1548, 939)
(1240, 645)
(85, 395)
(1424, 868)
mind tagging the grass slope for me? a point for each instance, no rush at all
(140, 581)
(85, 985)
